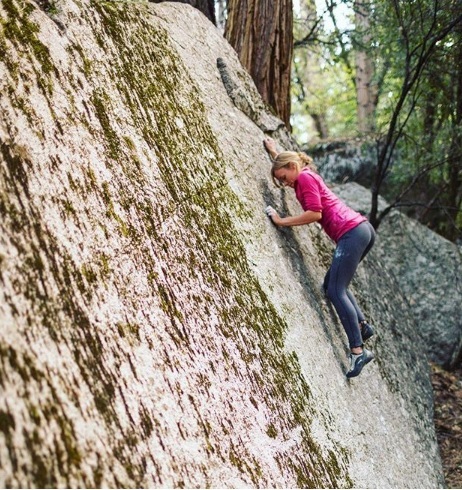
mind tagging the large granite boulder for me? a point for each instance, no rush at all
(155, 329)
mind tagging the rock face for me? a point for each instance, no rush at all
(156, 329)
(428, 269)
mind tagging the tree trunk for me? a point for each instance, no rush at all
(455, 151)
(307, 73)
(261, 33)
(207, 7)
(221, 12)
(364, 68)
(321, 125)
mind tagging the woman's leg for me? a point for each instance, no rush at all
(359, 313)
(361, 317)
(351, 249)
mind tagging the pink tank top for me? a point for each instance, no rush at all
(314, 195)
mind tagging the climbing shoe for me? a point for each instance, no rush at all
(367, 331)
(358, 361)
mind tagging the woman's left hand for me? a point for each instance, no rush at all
(272, 214)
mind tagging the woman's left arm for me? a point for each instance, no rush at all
(302, 219)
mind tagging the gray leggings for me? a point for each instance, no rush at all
(351, 249)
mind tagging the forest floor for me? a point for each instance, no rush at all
(447, 389)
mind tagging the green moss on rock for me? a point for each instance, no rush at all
(165, 108)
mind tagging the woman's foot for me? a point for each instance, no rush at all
(367, 331)
(358, 361)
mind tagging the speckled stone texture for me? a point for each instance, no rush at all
(155, 329)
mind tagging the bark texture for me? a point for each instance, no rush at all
(261, 33)
(365, 90)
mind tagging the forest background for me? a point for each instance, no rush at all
(386, 72)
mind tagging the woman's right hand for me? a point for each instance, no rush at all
(272, 215)
(270, 146)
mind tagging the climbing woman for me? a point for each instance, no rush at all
(352, 233)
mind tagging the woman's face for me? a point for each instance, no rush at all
(287, 175)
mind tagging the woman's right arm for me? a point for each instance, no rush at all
(270, 147)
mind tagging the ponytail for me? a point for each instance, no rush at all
(306, 160)
(283, 159)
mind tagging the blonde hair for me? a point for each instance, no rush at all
(283, 159)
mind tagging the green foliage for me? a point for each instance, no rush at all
(416, 53)
(323, 87)
(430, 121)
(329, 94)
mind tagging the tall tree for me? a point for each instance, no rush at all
(340, 55)
(307, 76)
(261, 33)
(365, 89)
(442, 130)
